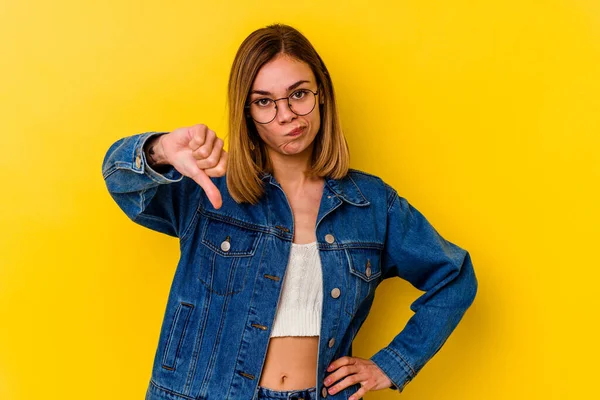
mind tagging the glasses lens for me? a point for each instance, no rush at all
(302, 101)
(263, 110)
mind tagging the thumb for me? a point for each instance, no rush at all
(202, 179)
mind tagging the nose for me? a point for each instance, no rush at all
(284, 112)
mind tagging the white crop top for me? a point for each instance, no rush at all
(299, 310)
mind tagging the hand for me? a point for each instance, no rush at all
(197, 153)
(356, 370)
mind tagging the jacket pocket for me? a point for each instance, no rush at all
(364, 267)
(176, 335)
(226, 256)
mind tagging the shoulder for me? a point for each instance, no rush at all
(366, 179)
(374, 187)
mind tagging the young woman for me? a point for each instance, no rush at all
(282, 244)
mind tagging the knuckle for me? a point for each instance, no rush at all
(202, 152)
(212, 160)
(220, 169)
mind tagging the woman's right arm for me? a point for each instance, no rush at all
(162, 191)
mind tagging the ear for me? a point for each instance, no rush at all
(321, 94)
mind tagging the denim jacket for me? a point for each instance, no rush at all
(226, 288)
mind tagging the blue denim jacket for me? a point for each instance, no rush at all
(227, 284)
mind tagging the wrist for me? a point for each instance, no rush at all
(155, 154)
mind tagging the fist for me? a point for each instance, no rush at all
(197, 153)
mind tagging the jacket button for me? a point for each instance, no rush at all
(324, 392)
(329, 238)
(331, 342)
(335, 293)
(225, 245)
(138, 161)
(368, 271)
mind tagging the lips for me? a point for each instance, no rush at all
(296, 131)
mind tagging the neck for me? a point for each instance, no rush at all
(290, 170)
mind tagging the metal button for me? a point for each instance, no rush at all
(329, 238)
(335, 293)
(324, 391)
(138, 161)
(225, 245)
(368, 268)
(331, 342)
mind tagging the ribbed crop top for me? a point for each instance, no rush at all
(299, 309)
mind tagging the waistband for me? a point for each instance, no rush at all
(301, 394)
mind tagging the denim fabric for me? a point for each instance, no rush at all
(305, 394)
(228, 280)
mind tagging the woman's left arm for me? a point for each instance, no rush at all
(416, 252)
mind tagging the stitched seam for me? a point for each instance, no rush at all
(109, 171)
(360, 172)
(142, 202)
(168, 343)
(197, 345)
(152, 217)
(359, 191)
(117, 166)
(213, 247)
(262, 254)
(412, 371)
(219, 337)
(235, 221)
(164, 389)
(393, 194)
(189, 227)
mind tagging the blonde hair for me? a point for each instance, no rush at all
(248, 156)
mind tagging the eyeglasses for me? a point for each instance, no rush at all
(264, 110)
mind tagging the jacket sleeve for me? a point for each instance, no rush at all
(416, 252)
(162, 201)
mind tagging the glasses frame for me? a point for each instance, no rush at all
(315, 93)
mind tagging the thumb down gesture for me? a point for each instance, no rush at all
(197, 153)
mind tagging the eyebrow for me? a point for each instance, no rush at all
(294, 86)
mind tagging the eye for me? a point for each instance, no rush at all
(298, 94)
(264, 102)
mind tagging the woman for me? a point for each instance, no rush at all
(282, 245)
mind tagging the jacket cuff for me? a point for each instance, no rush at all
(140, 163)
(394, 366)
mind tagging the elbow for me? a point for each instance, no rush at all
(472, 284)
(110, 158)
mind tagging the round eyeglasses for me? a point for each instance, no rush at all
(264, 110)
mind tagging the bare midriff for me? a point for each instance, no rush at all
(290, 363)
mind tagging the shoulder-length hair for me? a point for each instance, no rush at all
(248, 157)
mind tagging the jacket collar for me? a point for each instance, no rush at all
(344, 188)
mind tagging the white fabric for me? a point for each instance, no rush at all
(299, 309)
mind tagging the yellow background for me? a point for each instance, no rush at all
(483, 114)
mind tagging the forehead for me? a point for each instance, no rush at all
(281, 72)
